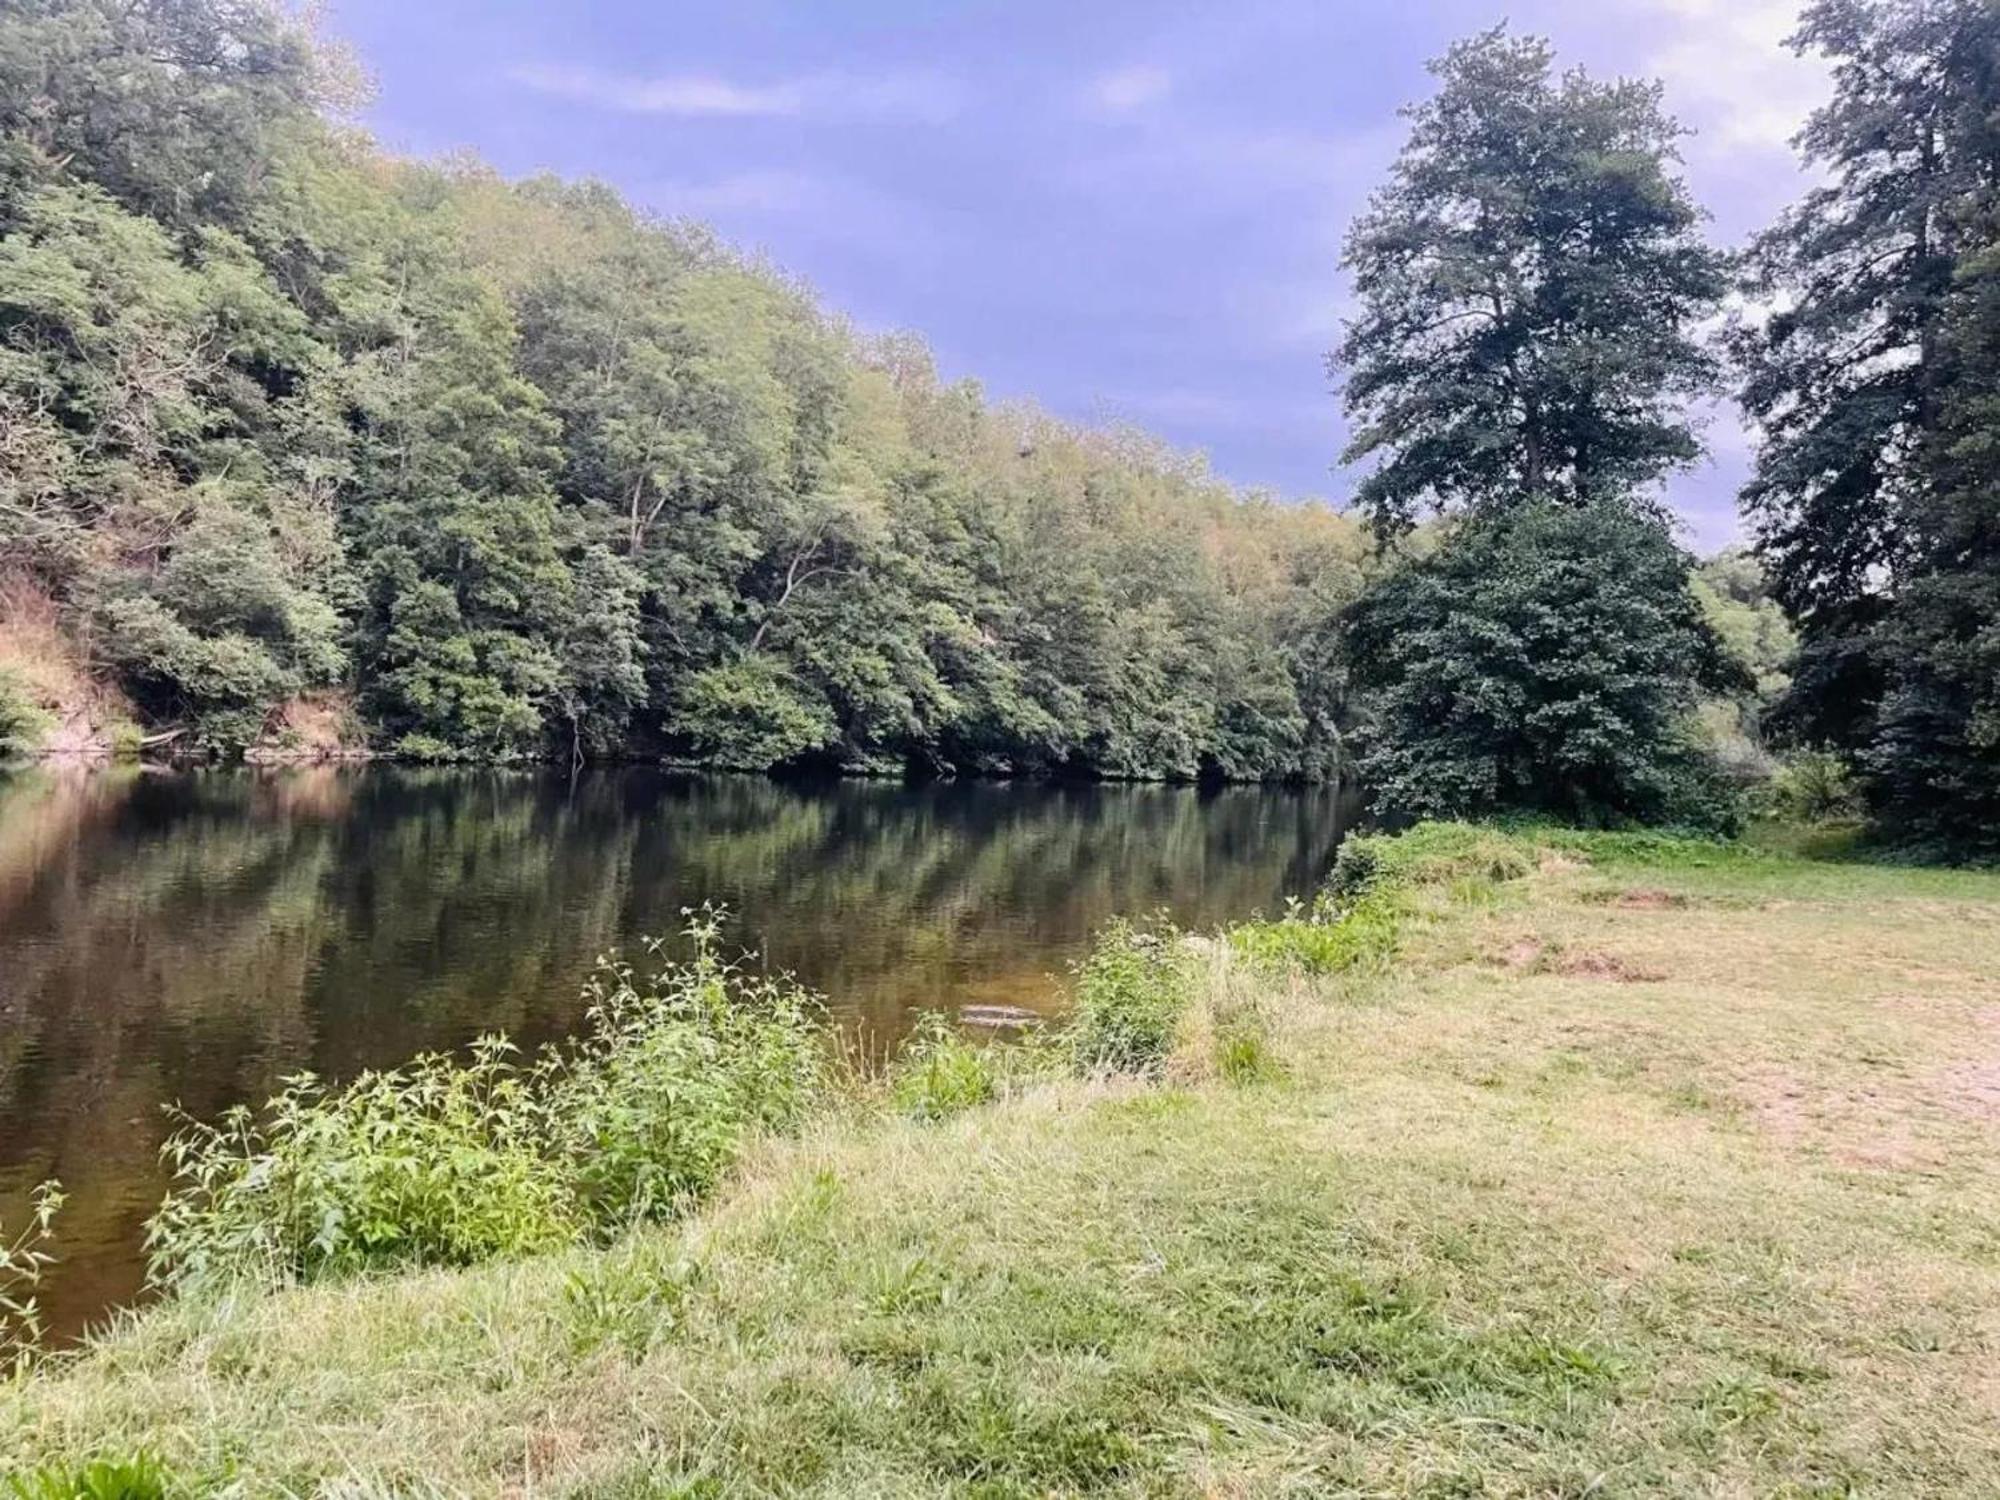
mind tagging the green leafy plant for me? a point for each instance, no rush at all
(1129, 996)
(138, 1478)
(23, 1259)
(939, 1073)
(23, 721)
(438, 1162)
(1812, 786)
(1321, 939)
(670, 1079)
(449, 1162)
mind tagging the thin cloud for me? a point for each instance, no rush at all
(1123, 91)
(923, 97)
(1726, 65)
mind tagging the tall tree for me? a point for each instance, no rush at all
(1529, 280)
(1529, 283)
(1874, 385)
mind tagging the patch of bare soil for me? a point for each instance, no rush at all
(1863, 1127)
(1589, 963)
(1530, 955)
(1649, 900)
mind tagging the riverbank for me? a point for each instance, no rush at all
(1642, 1167)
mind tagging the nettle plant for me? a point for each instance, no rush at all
(24, 1257)
(449, 1161)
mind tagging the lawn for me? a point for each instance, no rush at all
(1652, 1168)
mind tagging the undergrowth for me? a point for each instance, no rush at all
(450, 1162)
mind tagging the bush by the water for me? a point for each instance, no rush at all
(23, 721)
(939, 1073)
(1129, 997)
(449, 1162)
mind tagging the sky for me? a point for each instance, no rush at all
(1127, 210)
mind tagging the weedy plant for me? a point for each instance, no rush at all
(449, 1162)
(23, 1259)
(938, 1072)
(1321, 939)
(139, 1478)
(1129, 997)
(668, 1080)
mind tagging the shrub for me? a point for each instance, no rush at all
(23, 721)
(1543, 659)
(438, 1162)
(1130, 994)
(1812, 786)
(23, 1258)
(939, 1073)
(668, 1082)
(447, 1162)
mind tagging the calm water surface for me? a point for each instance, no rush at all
(191, 937)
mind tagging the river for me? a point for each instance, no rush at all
(190, 937)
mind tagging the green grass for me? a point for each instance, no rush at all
(1644, 1168)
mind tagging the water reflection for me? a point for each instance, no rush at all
(194, 936)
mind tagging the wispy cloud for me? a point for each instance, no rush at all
(1123, 91)
(924, 97)
(1726, 67)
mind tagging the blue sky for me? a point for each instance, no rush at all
(1125, 210)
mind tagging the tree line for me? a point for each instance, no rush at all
(1536, 297)
(298, 439)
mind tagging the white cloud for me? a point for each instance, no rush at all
(903, 96)
(1125, 90)
(1727, 69)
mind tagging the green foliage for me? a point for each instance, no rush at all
(1325, 938)
(530, 473)
(1812, 786)
(1529, 281)
(438, 1162)
(938, 1072)
(450, 1162)
(1431, 854)
(1876, 387)
(654, 1102)
(1128, 998)
(140, 1478)
(23, 721)
(1545, 659)
(23, 1258)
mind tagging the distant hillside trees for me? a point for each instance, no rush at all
(513, 469)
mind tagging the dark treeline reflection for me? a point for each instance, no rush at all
(193, 937)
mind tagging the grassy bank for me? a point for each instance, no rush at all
(1587, 1165)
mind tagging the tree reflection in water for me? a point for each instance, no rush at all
(192, 937)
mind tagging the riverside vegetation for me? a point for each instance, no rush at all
(1602, 1163)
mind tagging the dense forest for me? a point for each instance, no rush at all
(303, 446)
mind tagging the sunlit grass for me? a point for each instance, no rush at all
(1644, 1169)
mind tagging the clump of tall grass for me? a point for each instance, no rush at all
(24, 1256)
(1128, 998)
(449, 1162)
(939, 1073)
(1324, 938)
